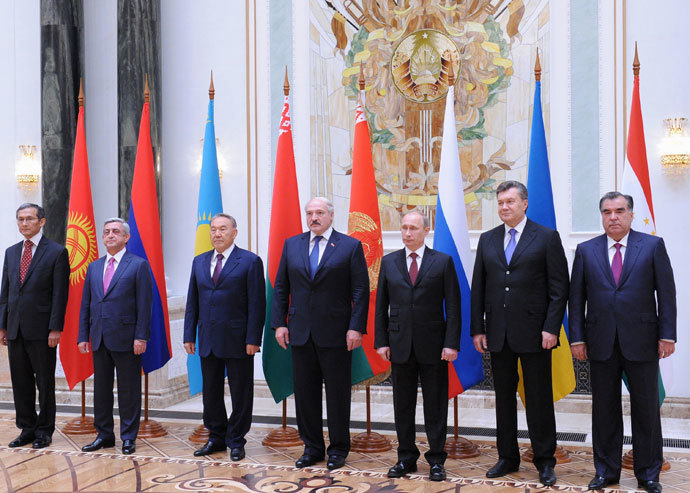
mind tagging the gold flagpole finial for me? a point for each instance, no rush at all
(211, 89)
(286, 84)
(146, 88)
(361, 80)
(636, 62)
(81, 93)
(537, 68)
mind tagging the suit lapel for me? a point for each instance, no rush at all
(97, 267)
(124, 263)
(330, 248)
(401, 262)
(528, 234)
(15, 255)
(232, 261)
(206, 266)
(632, 250)
(40, 250)
(427, 260)
(603, 258)
(497, 240)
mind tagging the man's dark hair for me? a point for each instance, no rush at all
(614, 196)
(507, 185)
(40, 212)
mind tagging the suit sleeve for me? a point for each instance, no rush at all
(144, 287)
(191, 313)
(382, 304)
(256, 293)
(359, 282)
(281, 292)
(4, 293)
(557, 281)
(85, 310)
(60, 291)
(578, 299)
(451, 290)
(477, 324)
(665, 292)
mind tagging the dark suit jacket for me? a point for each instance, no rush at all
(38, 305)
(641, 309)
(231, 313)
(335, 301)
(517, 302)
(122, 314)
(412, 317)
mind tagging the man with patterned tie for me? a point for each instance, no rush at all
(519, 296)
(320, 306)
(623, 319)
(115, 323)
(33, 300)
(226, 307)
(418, 326)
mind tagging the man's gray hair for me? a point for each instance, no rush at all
(40, 212)
(125, 226)
(507, 185)
(614, 196)
(329, 204)
(425, 218)
(226, 216)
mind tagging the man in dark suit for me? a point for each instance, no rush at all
(33, 300)
(226, 300)
(419, 338)
(115, 317)
(519, 296)
(623, 318)
(320, 305)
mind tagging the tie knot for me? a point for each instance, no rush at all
(512, 232)
(219, 257)
(317, 238)
(414, 255)
(111, 261)
(618, 247)
(28, 243)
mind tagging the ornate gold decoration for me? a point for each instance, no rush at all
(81, 245)
(421, 65)
(364, 228)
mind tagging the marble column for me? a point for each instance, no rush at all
(62, 64)
(138, 54)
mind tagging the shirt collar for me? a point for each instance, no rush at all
(623, 241)
(519, 228)
(118, 256)
(419, 252)
(225, 253)
(326, 234)
(36, 238)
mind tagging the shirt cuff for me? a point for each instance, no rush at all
(668, 340)
(576, 343)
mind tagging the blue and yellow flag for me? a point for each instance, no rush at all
(210, 203)
(541, 210)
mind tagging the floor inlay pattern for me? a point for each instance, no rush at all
(166, 464)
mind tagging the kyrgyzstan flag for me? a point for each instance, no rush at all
(82, 248)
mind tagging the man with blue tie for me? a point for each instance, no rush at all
(623, 319)
(115, 324)
(519, 295)
(320, 306)
(226, 306)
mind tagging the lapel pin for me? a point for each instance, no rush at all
(332, 244)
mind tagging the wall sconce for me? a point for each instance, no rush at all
(28, 168)
(675, 147)
(219, 158)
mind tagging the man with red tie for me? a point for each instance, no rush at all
(623, 319)
(33, 300)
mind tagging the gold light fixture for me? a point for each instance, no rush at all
(675, 147)
(28, 168)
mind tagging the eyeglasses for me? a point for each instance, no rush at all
(27, 219)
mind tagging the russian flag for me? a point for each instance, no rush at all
(145, 241)
(451, 237)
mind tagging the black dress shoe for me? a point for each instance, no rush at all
(98, 444)
(402, 468)
(547, 476)
(335, 462)
(211, 447)
(42, 441)
(649, 486)
(437, 472)
(22, 440)
(307, 460)
(129, 447)
(600, 482)
(501, 468)
(237, 453)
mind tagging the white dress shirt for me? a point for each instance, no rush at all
(214, 259)
(118, 258)
(420, 254)
(322, 244)
(612, 248)
(518, 232)
(34, 239)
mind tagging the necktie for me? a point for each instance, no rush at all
(314, 256)
(414, 268)
(109, 271)
(26, 260)
(218, 267)
(510, 249)
(617, 263)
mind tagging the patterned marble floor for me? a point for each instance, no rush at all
(166, 464)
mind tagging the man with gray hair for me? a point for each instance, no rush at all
(115, 324)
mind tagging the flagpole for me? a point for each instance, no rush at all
(368, 441)
(83, 425)
(149, 428)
